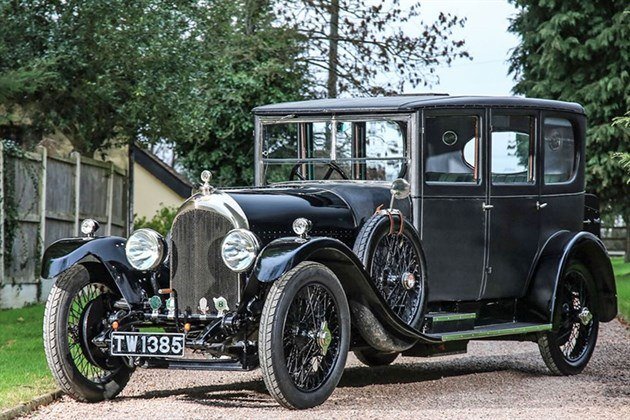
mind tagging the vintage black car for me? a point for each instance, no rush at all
(383, 226)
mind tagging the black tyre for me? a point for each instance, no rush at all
(393, 258)
(304, 336)
(373, 357)
(568, 347)
(74, 315)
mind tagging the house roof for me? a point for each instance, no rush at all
(402, 103)
(166, 174)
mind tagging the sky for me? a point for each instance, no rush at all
(487, 41)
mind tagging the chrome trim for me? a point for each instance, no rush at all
(218, 202)
(255, 241)
(258, 163)
(452, 317)
(161, 244)
(483, 333)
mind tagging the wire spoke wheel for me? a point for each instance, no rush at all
(395, 270)
(574, 332)
(304, 336)
(311, 337)
(568, 347)
(76, 313)
(79, 351)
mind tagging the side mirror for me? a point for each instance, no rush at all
(400, 189)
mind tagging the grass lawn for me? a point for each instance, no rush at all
(622, 275)
(23, 370)
(24, 373)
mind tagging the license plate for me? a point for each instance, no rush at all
(147, 344)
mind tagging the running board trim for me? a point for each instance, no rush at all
(445, 317)
(492, 331)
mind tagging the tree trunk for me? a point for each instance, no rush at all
(333, 52)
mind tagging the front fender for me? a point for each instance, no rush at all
(107, 251)
(550, 267)
(376, 321)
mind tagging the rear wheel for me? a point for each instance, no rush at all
(373, 357)
(76, 312)
(568, 347)
(304, 336)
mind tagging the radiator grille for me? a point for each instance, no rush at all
(196, 267)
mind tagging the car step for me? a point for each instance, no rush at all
(443, 322)
(493, 330)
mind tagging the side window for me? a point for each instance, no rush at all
(559, 154)
(384, 146)
(452, 149)
(512, 145)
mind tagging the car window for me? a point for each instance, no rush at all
(559, 153)
(370, 149)
(452, 149)
(512, 146)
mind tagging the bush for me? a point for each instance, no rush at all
(161, 221)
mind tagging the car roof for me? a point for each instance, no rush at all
(402, 103)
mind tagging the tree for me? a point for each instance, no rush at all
(103, 72)
(358, 46)
(249, 61)
(579, 51)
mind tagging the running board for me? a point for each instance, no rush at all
(494, 330)
(196, 364)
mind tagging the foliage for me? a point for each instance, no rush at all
(103, 72)
(161, 222)
(579, 51)
(364, 47)
(24, 373)
(623, 157)
(247, 65)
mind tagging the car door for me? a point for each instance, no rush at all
(453, 191)
(513, 202)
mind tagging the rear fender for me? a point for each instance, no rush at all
(96, 253)
(551, 265)
(376, 321)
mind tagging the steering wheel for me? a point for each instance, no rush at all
(332, 167)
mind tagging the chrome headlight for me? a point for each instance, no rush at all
(145, 249)
(239, 249)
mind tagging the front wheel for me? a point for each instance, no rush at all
(304, 336)
(75, 312)
(568, 347)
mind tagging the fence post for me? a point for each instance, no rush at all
(42, 203)
(110, 198)
(77, 191)
(2, 206)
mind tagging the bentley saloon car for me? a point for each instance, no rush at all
(383, 226)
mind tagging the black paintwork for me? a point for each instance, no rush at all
(337, 210)
(405, 103)
(106, 251)
(285, 253)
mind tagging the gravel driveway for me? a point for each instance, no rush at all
(494, 380)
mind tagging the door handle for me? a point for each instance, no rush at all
(540, 206)
(487, 207)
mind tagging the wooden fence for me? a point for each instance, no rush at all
(45, 198)
(614, 238)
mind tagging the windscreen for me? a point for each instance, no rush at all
(370, 149)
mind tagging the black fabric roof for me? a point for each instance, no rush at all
(409, 103)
